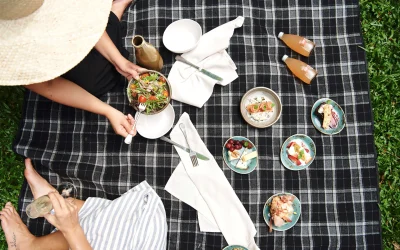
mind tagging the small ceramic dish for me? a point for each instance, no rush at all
(317, 119)
(232, 164)
(182, 36)
(300, 139)
(294, 217)
(155, 126)
(267, 104)
(234, 247)
(134, 101)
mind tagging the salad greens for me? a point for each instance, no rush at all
(152, 90)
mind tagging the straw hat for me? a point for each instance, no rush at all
(42, 39)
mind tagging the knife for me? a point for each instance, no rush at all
(200, 156)
(206, 72)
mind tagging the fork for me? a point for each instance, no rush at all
(192, 154)
(141, 108)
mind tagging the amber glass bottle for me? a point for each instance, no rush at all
(297, 43)
(300, 69)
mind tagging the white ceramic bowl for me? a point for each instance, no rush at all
(182, 36)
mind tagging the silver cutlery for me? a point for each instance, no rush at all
(141, 108)
(200, 156)
(192, 154)
(206, 72)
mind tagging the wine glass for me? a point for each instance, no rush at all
(43, 205)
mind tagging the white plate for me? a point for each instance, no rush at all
(155, 126)
(268, 95)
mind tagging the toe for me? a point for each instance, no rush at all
(28, 163)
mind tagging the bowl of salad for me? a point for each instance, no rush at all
(153, 89)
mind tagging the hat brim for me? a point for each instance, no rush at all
(50, 41)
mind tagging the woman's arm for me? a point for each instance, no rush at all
(70, 94)
(107, 48)
(66, 220)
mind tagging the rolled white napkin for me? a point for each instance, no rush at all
(206, 189)
(190, 85)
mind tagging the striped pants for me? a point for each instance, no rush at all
(136, 220)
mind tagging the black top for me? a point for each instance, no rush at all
(95, 73)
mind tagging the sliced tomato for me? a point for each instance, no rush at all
(152, 98)
(142, 99)
(165, 93)
(144, 75)
(295, 160)
(161, 79)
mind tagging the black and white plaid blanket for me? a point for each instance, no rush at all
(338, 192)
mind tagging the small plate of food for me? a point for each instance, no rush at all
(234, 247)
(282, 211)
(153, 89)
(328, 117)
(240, 154)
(261, 107)
(298, 152)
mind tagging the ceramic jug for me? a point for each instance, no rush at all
(146, 55)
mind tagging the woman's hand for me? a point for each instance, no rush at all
(121, 123)
(108, 49)
(65, 216)
(128, 69)
(66, 220)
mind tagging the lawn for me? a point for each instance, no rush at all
(380, 27)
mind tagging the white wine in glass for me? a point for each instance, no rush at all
(42, 205)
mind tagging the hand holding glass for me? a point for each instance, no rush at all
(43, 205)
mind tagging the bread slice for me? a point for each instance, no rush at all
(327, 116)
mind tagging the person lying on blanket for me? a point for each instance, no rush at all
(136, 220)
(99, 72)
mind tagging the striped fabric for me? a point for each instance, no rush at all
(136, 220)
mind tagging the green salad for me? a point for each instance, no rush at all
(152, 90)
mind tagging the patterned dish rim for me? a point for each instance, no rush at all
(303, 166)
(324, 131)
(244, 112)
(141, 73)
(293, 222)
(226, 160)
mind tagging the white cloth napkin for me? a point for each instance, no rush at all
(190, 85)
(207, 190)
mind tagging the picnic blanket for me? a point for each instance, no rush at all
(338, 192)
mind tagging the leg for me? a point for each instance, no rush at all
(40, 186)
(17, 234)
(19, 237)
(119, 6)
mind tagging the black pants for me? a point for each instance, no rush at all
(95, 73)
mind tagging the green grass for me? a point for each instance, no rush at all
(11, 165)
(381, 26)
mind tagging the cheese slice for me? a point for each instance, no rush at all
(242, 165)
(249, 156)
(233, 155)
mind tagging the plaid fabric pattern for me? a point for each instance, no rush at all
(338, 192)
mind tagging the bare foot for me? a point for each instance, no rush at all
(119, 6)
(38, 185)
(17, 234)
